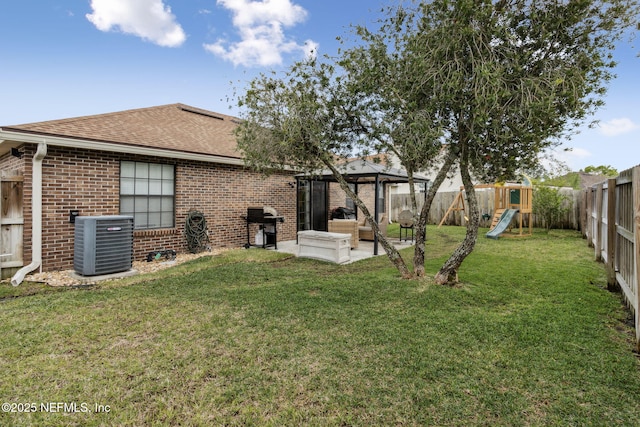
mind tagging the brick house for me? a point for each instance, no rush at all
(156, 164)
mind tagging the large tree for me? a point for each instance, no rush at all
(479, 85)
(307, 120)
(504, 81)
(517, 76)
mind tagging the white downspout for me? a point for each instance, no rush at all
(36, 217)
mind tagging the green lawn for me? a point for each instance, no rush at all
(253, 337)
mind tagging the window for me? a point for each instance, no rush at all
(349, 203)
(381, 198)
(147, 192)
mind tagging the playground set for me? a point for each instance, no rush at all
(511, 200)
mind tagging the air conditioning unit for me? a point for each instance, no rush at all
(103, 244)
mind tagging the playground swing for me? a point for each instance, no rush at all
(510, 199)
(456, 206)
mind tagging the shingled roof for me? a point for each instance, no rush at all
(176, 128)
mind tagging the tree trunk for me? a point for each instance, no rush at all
(421, 223)
(392, 253)
(448, 273)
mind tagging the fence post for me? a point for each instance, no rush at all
(589, 227)
(636, 232)
(611, 235)
(584, 219)
(598, 227)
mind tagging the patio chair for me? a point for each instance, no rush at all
(346, 226)
(366, 232)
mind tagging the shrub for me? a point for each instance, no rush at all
(550, 205)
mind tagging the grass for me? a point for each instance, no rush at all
(531, 337)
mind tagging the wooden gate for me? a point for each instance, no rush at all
(11, 223)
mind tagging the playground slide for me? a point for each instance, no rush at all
(502, 225)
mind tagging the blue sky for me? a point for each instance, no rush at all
(68, 58)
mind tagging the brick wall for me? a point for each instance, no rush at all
(12, 163)
(89, 182)
(366, 192)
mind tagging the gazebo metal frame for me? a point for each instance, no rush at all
(361, 171)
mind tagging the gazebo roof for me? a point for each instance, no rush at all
(365, 171)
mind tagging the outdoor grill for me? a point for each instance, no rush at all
(406, 221)
(267, 219)
(343, 213)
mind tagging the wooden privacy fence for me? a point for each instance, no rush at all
(612, 227)
(486, 197)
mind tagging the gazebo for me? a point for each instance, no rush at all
(312, 202)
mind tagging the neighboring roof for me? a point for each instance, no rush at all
(588, 180)
(176, 128)
(365, 171)
(381, 159)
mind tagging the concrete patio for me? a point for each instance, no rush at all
(364, 250)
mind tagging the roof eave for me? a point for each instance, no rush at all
(365, 177)
(7, 136)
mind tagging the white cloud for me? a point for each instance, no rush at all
(310, 49)
(571, 157)
(615, 127)
(579, 153)
(260, 27)
(149, 19)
